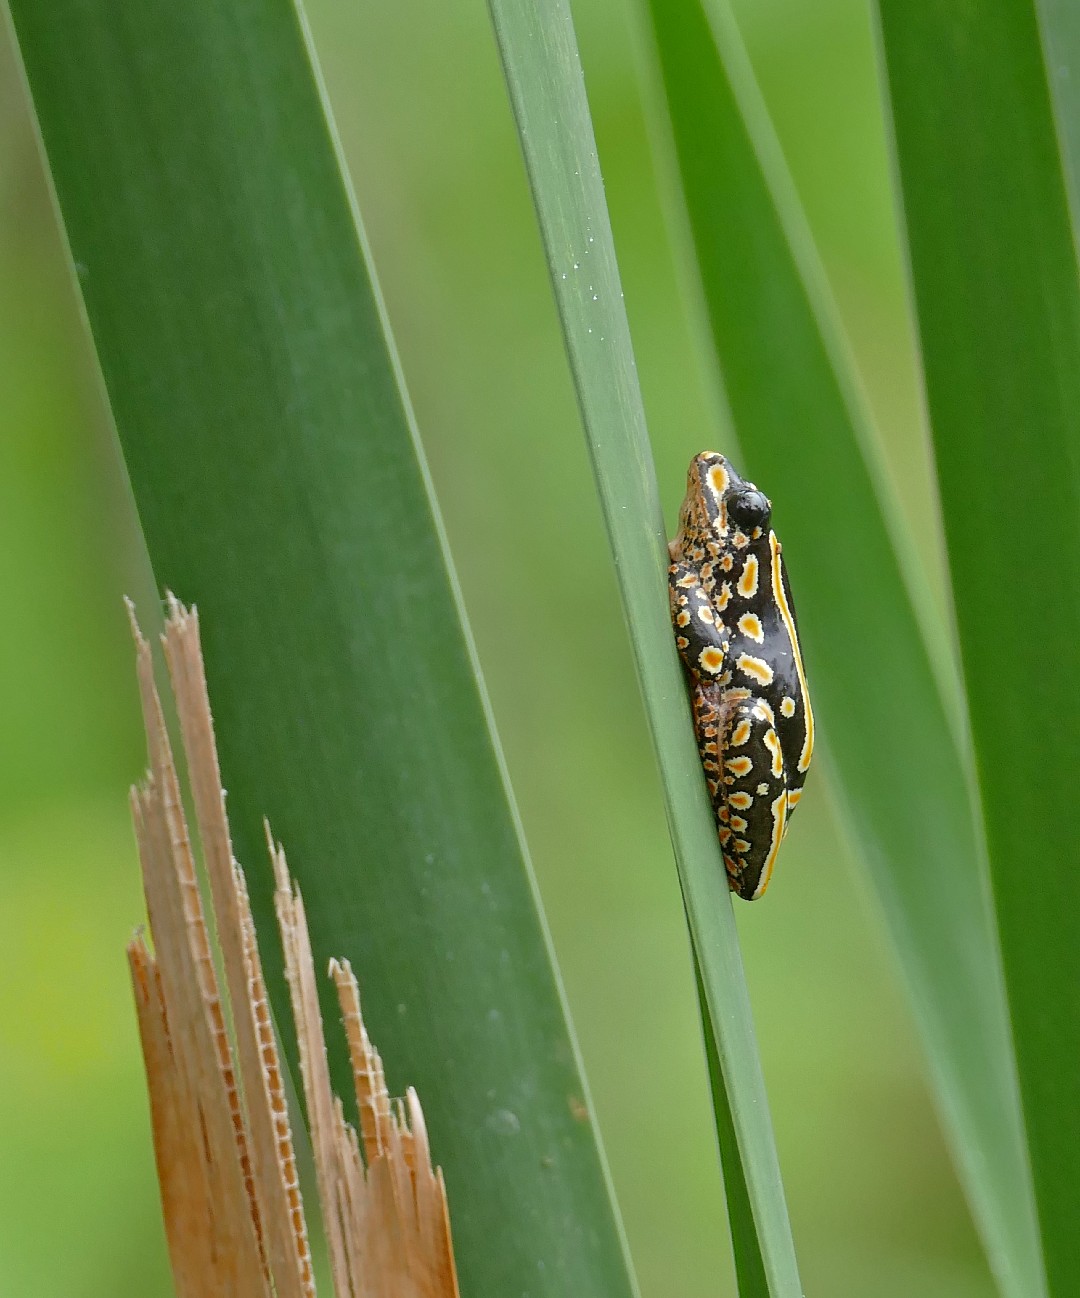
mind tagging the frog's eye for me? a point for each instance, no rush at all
(749, 509)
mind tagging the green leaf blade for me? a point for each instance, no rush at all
(543, 73)
(279, 484)
(887, 731)
(995, 285)
(749, 1265)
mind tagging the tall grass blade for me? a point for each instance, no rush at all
(543, 73)
(997, 299)
(280, 486)
(882, 700)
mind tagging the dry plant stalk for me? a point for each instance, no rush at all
(234, 1217)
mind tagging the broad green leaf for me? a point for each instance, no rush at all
(997, 299)
(878, 688)
(543, 73)
(281, 488)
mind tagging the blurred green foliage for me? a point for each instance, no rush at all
(435, 163)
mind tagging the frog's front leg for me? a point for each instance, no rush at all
(700, 635)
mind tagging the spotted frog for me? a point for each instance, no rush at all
(736, 633)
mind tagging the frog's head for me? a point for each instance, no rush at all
(720, 501)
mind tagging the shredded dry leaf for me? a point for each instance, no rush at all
(234, 1216)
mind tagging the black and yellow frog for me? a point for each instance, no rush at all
(736, 633)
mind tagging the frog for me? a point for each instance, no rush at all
(737, 637)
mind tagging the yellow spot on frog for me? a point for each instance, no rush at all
(750, 625)
(740, 734)
(749, 578)
(711, 659)
(718, 479)
(758, 668)
(773, 745)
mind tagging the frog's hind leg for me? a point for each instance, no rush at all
(752, 808)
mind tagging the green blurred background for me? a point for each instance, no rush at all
(875, 1205)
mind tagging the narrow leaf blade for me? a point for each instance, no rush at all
(543, 73)
(997, 297)
(749, 1266)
